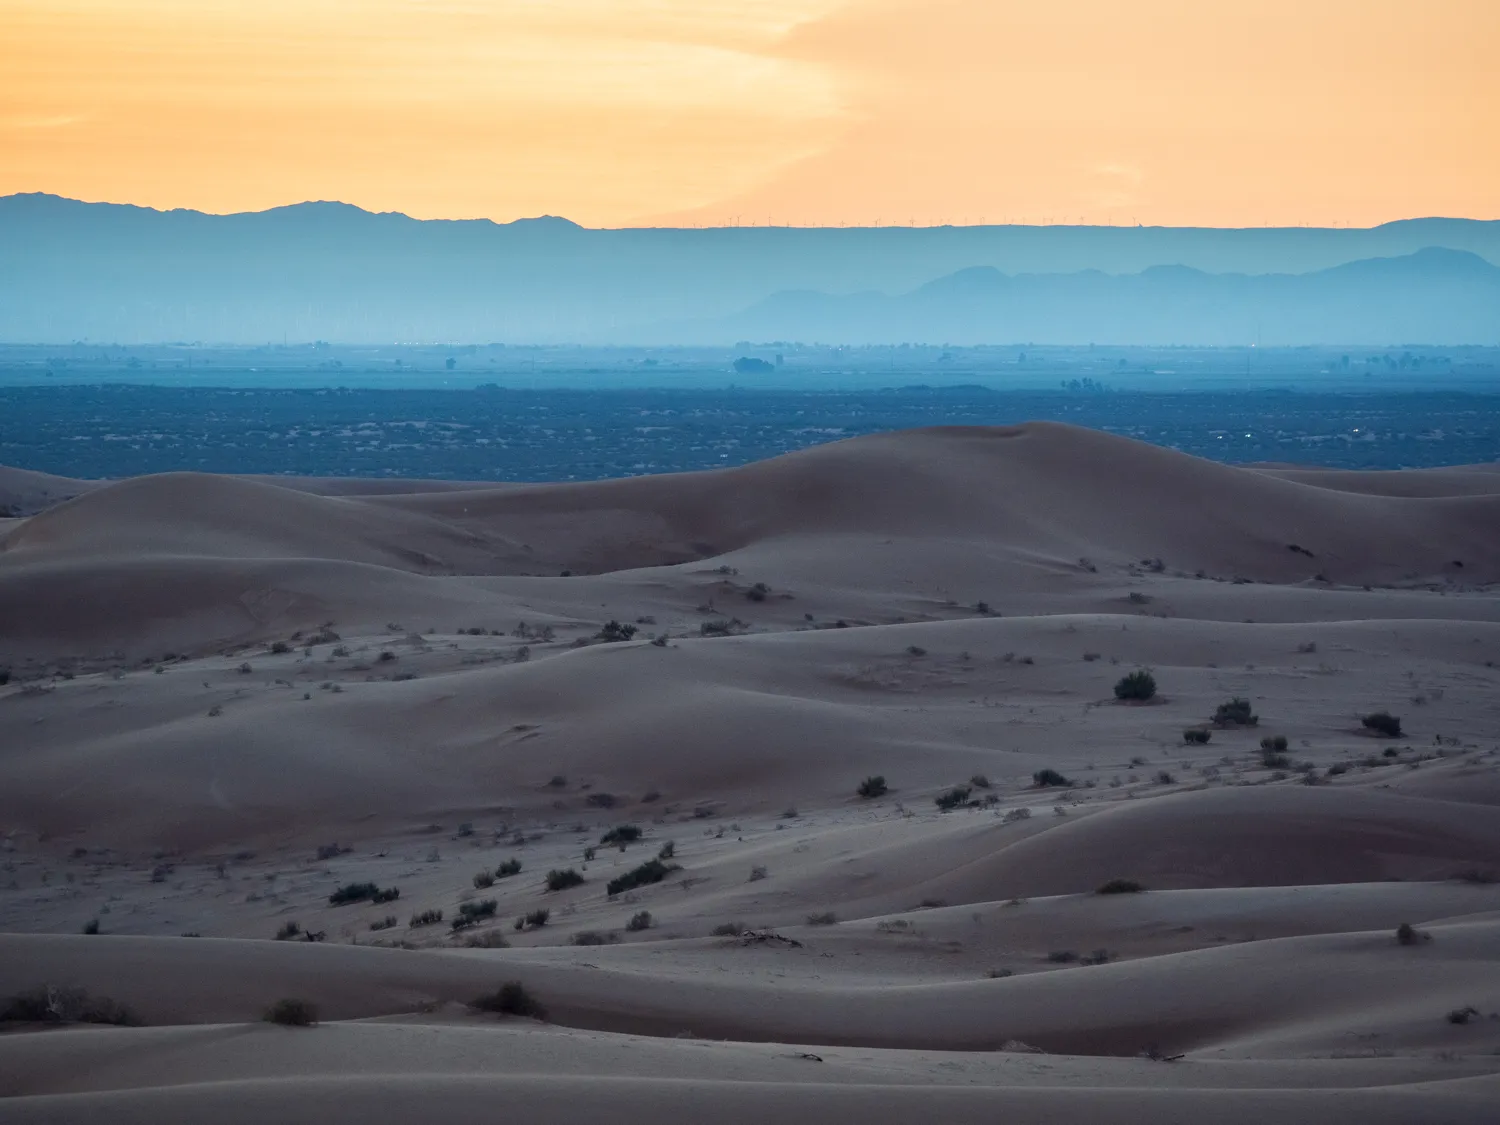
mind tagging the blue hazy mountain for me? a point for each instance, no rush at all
(1435, 295)
(330, 271)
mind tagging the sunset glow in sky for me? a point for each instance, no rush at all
(632, 112)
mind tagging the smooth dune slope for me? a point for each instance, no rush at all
(799, 790)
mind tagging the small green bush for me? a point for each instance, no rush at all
(1235, 713)
(652, 871)
(1383, 723)
(510, 999)
(1139, 686)
(292, 1013)
(1120, 887)
(562, 879)
(954, 798)
(621, 834)
(872, 787)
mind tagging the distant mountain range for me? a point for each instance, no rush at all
(112, 273)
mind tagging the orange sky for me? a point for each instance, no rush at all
(624, 112)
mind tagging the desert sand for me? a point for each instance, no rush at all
(231, 696)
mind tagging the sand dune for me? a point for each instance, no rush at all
(230, 696)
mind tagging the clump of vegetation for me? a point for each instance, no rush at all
(1120, 887)
(288, 931)
(638, 922)
(757, 873)
(291, 1012)
(1273, 752)
(826, 918)
(1137, 687)
(614, 631)
(915, 650)
(1461, 1016)
(601, 800)
(533, 920)
(483, 881)
(1383, 723)
(1235, 713)
(491, 940)
(558, 781)
(979, 781)
(91, 926)
(728, 929)
(595, 937)
(386, 923)
(953, 799)
(652, 871)
(872, 787)
(667, 850)
(1196, 736)
(1407, 934)
(362, 892)
(508, 868)
(621, 834)
(510, 999)
(560, 879)
(1062, 957)
(1050, 779)
(65, 1005)
(472, 913)
(425, 918)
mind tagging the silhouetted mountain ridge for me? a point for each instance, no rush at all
(326, 270)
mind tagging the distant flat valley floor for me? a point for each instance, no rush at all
(506, 433)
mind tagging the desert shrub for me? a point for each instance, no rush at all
(1407, 934)
(595, 937)
(1164, 777)
(1235, 713)
(491, 940)
(652, 871)
(390, 894)
(667, 851)
(614, 631)
(588, 855)
(952, 799)
(472, 913)
(1273, 753)
(1062, 957)
(915, 650)
(483, 880)
(728, 929)
(425, 918)
(1050, 779)
(1120, 887)
(1140, 685)
(621, 834)
(65, 1005)
(1382, 722)
(1196, 736)
(353, 892)
(533, 920)
(1275, 743)
(826, 918)
(562, 879)
(291, 1012)
(757, 873)
(510, 999)
(508, 868)
(1098, 957)
(91, 926)
(1014, 815)
(601, 800)
(639, 922)
(288, 931)
(979, 781)
(872, 787)
(1462, 1016)
(386, 923)
(558, 781)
